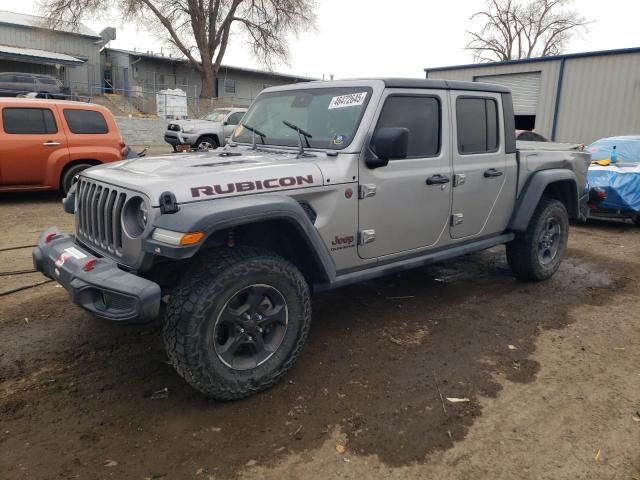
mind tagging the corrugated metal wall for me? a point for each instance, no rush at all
(75, 45)
(600, 98)
(549, 71)
(600, 94)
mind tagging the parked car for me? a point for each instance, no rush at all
(353, 180)
(44, 144)
(209, 132)
(14, 84)
(529, 136)
(614, 178)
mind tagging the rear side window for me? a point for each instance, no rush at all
(477, 122)
(85, 121)
(421, 116)
(28, 121)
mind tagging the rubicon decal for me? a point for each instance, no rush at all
(252, 185)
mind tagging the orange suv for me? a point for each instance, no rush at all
(45, 143)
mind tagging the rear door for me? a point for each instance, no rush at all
(32, 141)
(480, 168)
(405, 205)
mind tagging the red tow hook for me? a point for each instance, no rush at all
(89, 264)
(50, 237)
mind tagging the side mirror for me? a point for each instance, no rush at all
(389, 143)
(225, 123)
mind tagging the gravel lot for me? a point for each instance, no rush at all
(551, 371)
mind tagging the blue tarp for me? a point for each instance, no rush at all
(622, 185)
(628, 148)
(621, 181)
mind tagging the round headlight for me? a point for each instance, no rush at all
(135, 216)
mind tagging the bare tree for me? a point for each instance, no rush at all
(516, 29)
(201, 29)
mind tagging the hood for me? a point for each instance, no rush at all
(208, 175)
(196, 122)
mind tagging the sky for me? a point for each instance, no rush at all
(361, 38)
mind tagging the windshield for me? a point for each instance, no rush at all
(330, 115)
(216, 115)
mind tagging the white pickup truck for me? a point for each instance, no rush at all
(206, 133)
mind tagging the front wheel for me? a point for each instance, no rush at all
(207, 143)
(237, 322)
(537, 253)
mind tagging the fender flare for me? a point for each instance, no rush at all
(532, 193)
(211, 216)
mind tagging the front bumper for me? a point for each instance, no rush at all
(96, 284)
(179, 138)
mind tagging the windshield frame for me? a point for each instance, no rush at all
(294, 91)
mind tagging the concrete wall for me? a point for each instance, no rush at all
(68, 43)
(143, 131)
(600, 94)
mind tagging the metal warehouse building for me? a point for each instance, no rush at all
(138, 72)
(567, 98)
(28, 45)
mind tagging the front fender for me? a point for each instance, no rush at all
(532, 193)
(214, 215)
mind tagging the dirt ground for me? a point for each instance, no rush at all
(551, 371)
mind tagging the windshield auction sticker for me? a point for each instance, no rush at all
(350, 100)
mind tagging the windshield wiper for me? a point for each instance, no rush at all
(301, 134)
(255, 132)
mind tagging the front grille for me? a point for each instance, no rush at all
(174, 127)
(98, 215)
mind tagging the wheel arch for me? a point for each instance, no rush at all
(91, 161)
(276, 223)
(210, 135)
(559, 184)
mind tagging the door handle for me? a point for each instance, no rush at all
(50, 143)
(492, 172)
(438, 180)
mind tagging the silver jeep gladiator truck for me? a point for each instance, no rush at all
(324, 184)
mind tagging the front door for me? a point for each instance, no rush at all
(32, 137)
(405, 205)
(479, 163)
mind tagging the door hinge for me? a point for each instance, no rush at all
(457, 219)
(366, 236)
(367, 190)
(459, 179)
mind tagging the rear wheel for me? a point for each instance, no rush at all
(207, 143)
(237, 322)
(67, 177)
(537, 253)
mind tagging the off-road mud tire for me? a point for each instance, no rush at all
(523, 251)
(191, 314)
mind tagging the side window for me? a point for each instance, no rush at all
(421, 116)
(235, 118)
(85, 121)
(477, 125)
(230, 86)
(28, 121)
